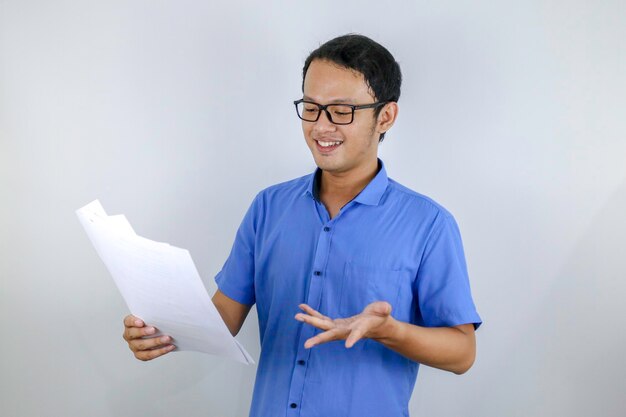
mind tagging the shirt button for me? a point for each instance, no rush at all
(318, 273)
(327, 229)
(293, 405)
(301, 362)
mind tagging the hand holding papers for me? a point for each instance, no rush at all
(160, 284)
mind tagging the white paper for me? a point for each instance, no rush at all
(160, 285)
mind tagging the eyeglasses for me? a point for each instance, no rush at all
(339, 114)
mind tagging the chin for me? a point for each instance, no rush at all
(321, 160)
(328, 166)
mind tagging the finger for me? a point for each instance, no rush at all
(323, 324)
(146, 355)
(354, 336)
(132, 321)
(329, 336)
(380, 308)
(307, 309)
(149, 343)
(132, 333)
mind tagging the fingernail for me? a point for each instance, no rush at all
(150, 330)
(171, 347)
(138, 323)
(165, 339)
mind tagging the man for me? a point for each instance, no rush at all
(377, 270)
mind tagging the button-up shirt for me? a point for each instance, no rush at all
(388, 244)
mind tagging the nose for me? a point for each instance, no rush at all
(324, 124)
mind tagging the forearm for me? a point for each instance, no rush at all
(232, 312)
(449, 348)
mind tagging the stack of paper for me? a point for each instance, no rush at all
(160, 285)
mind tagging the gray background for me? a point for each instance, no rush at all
(511, 116)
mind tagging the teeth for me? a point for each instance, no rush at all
(327, 144)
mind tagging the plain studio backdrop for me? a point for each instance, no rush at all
(177, 113)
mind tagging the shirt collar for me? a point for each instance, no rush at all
(370, 195)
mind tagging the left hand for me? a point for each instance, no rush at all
(371, 323)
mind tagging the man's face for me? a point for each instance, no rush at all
(357, 147)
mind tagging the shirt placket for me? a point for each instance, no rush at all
(313, 299)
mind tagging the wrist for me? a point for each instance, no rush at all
(388, 331)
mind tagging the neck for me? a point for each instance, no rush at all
(341, 187)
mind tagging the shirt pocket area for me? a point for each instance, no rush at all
(363, 284)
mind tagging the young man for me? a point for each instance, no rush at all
(377, 270)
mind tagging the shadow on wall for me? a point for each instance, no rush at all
(569, 359)
(583, 364)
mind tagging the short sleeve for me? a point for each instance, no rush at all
(236, 279)
(442, 283)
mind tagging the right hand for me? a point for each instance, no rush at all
(140, 340)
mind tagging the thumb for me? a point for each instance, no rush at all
(380, 308)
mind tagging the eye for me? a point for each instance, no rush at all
(341, 111)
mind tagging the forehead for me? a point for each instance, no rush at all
(326, 82)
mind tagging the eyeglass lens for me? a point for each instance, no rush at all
(338, 113)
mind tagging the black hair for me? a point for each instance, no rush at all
(362, 54)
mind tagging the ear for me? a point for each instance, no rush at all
(387, 117)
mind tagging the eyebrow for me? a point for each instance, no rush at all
(337, 101)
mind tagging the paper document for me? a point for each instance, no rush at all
(160, 284)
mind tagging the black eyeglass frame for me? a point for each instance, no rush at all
(324, 108)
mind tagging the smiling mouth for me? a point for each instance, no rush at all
(327, 147)
(324, 144)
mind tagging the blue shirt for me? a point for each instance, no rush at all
(389, 243)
